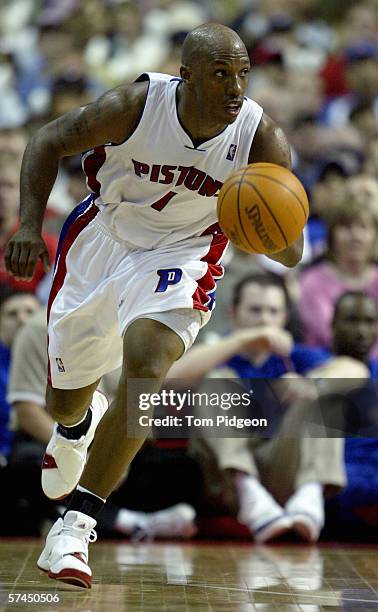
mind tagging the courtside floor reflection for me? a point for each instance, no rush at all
(198, 577)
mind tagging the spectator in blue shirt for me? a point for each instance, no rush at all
(15, 308)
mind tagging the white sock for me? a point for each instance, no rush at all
(127, 520)
(248, 488)
(311, 489)
(83, 490)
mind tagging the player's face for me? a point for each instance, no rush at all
(260, 306)
(220, 82)
(355, 327)
(357, 237)
(14, 313)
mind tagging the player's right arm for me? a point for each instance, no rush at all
(111, 119)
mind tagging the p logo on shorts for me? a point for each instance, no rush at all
(170, 276)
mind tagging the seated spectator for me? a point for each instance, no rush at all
(149, 481)
(259, 347)
(363, 118)
(254, 465)
(348, 405)
(348, 265)
(363, 189)
(259, 314)
(9, 203)
(352, 515)
(328, 192)
(361, 63)
(15, 308)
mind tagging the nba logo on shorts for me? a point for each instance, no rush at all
(231, 152)
(60, 365)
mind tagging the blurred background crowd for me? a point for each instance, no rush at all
(314, 71)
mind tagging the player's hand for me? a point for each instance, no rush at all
(22, 253)
(266, 338)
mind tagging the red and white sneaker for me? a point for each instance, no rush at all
(64, 460)
(65, 556)
(52, 537)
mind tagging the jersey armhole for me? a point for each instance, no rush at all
(259, 112)
(141, 79)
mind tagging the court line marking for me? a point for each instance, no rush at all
(288, 594)
(22, 569)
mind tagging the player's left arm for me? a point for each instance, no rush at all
(271, 145)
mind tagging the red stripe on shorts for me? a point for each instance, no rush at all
(206, 284)
(61, 269)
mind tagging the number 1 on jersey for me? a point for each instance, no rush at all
(160, 204)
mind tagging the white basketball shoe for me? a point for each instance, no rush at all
(64, 460)
(65, 556)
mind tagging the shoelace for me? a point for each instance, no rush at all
(92, 537)
(79, 533)
(87, 537)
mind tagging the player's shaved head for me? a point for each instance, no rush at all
(208, 39)
(214, 77)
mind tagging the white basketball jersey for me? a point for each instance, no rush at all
(157, 188)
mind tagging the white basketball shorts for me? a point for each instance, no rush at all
(101, 286)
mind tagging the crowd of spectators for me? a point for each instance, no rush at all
(314, 71)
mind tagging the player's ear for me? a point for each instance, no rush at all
(186, 74)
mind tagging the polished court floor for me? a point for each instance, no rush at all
(197, 577)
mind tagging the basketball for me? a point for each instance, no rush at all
(262, 208)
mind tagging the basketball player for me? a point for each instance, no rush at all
(137, 259)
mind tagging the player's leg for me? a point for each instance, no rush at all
(77, 413)
(162, 310)
(69, 406)
(83, 343)
(150, 348)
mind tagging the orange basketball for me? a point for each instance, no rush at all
(262, 208)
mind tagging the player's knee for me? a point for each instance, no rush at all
(144, 366)
(150, 348)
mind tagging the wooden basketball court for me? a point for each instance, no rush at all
(197, 577)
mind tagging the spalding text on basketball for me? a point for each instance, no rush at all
(256, 221)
